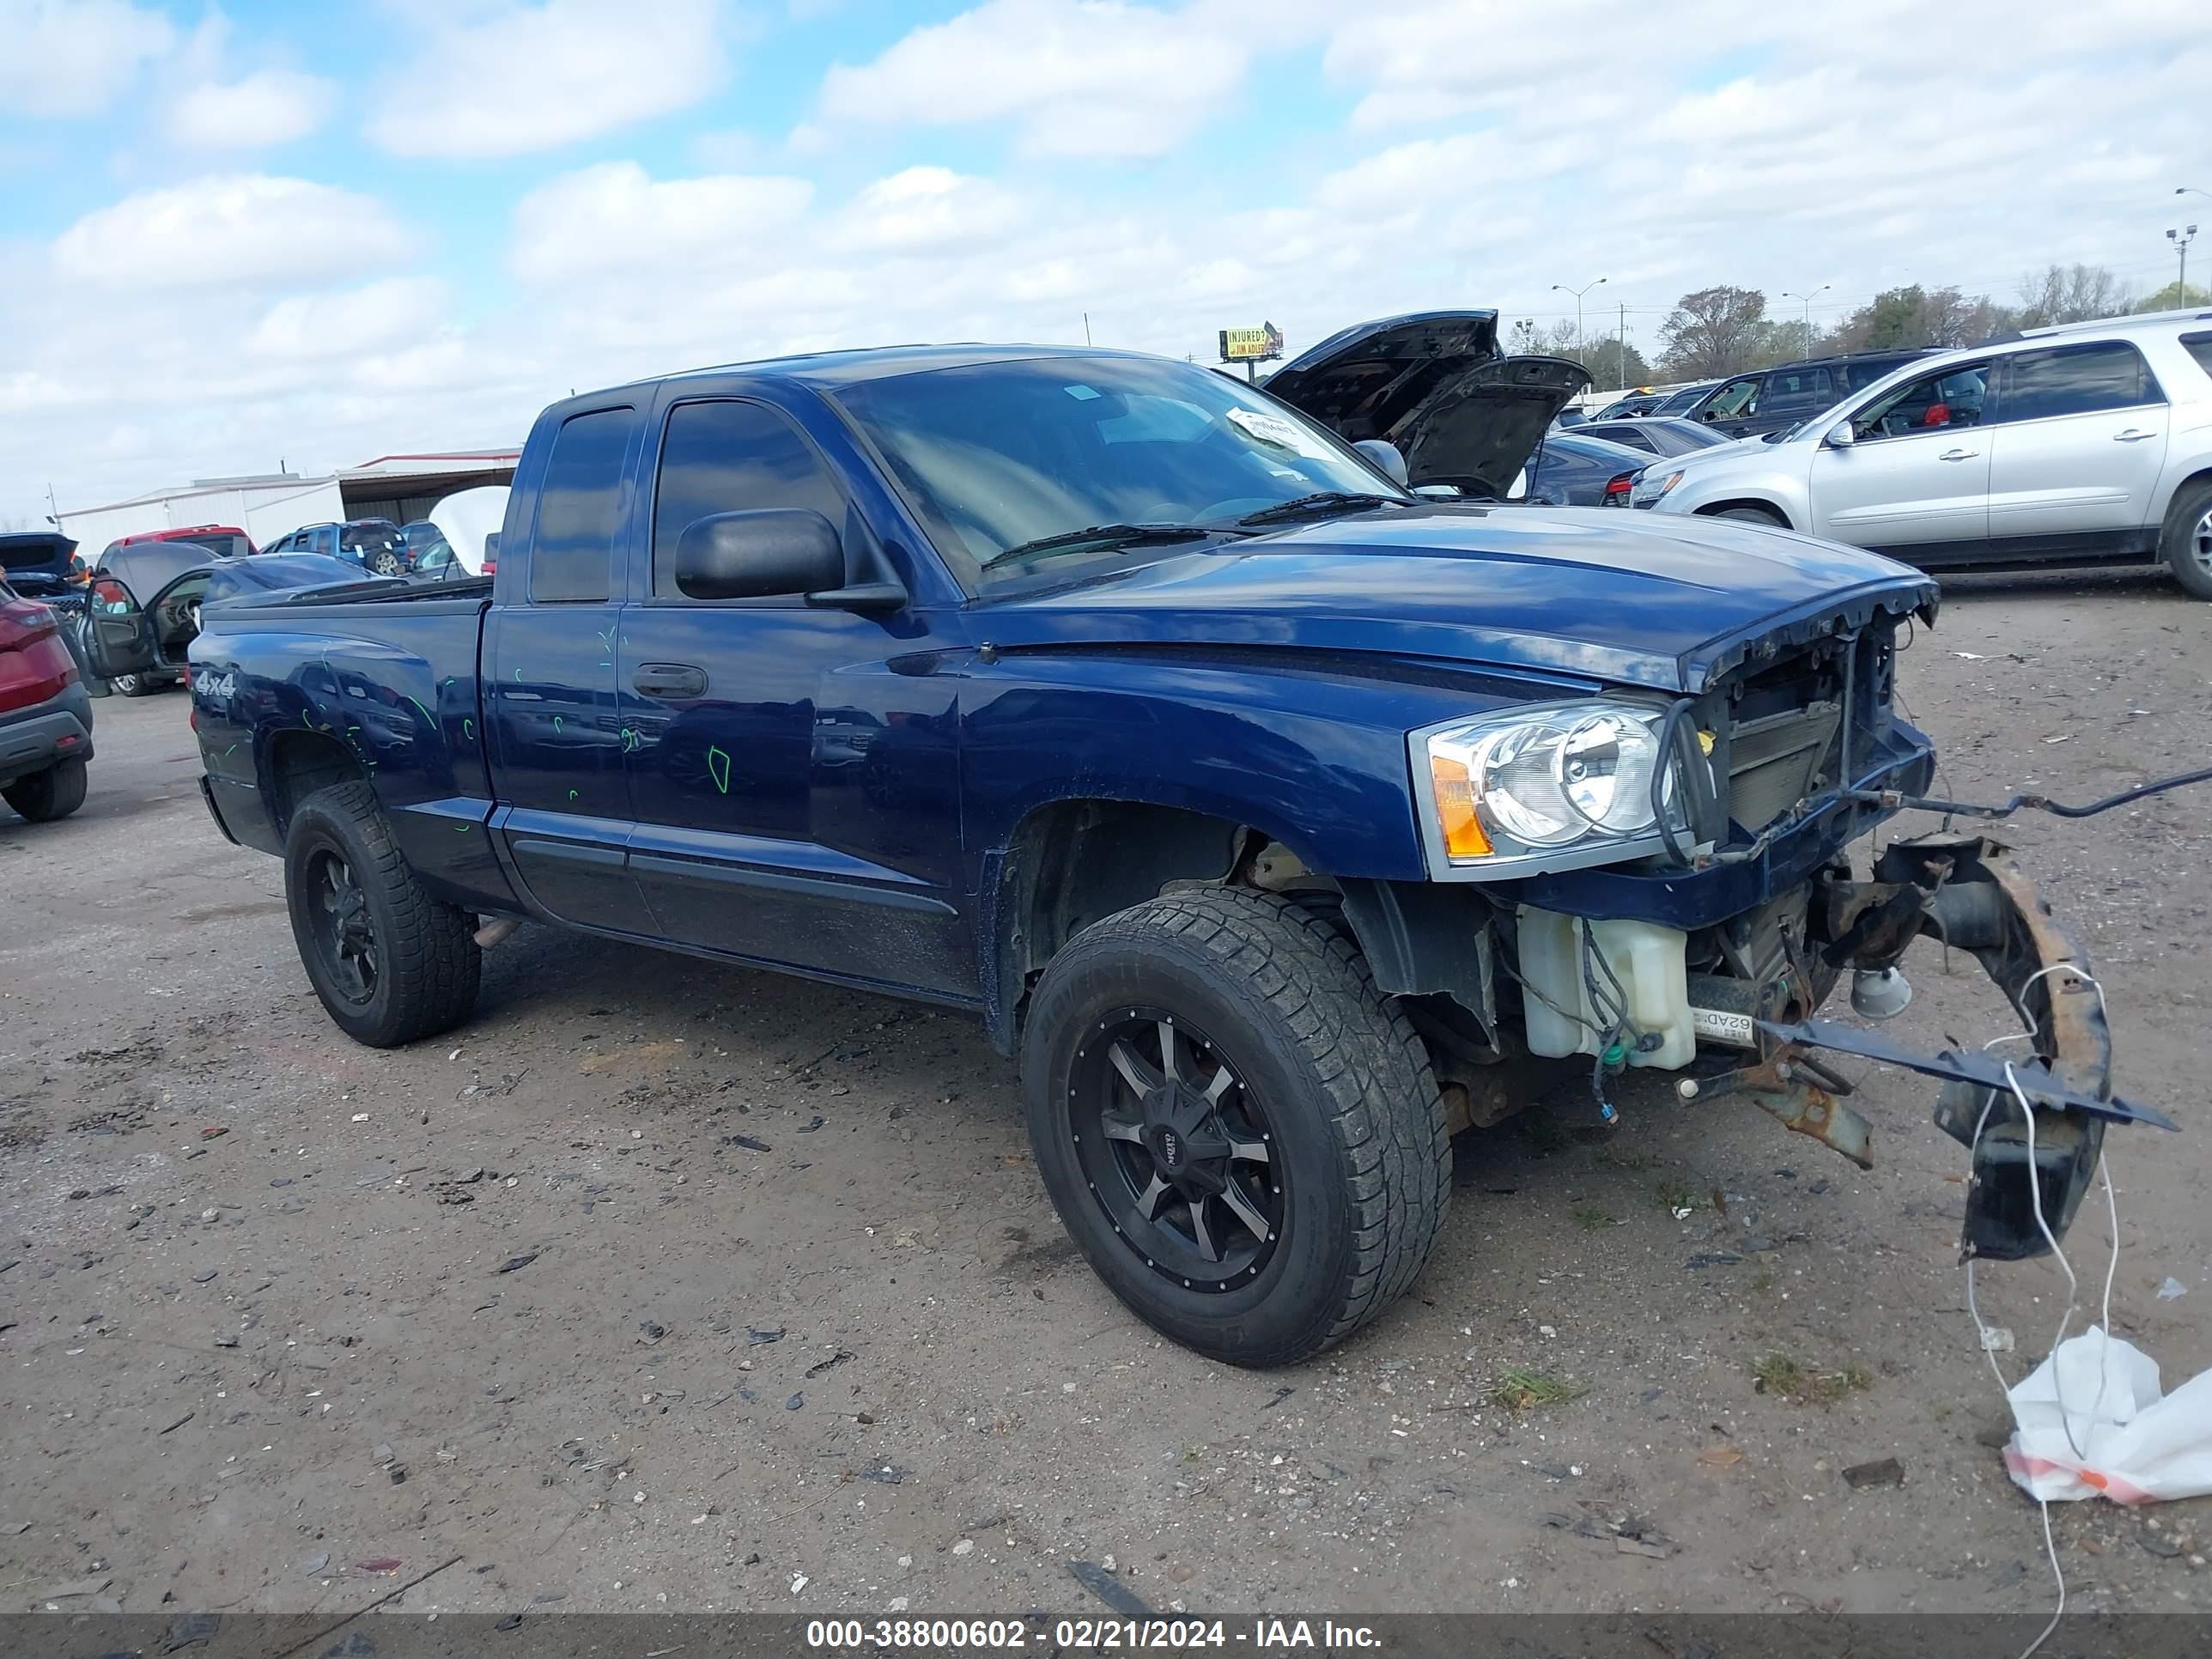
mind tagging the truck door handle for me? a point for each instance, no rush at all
(669, 679)
(1958, 454)
(2134, 434)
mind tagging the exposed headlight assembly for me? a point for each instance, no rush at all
(1548, 788)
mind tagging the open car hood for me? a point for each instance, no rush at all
(1434, 384)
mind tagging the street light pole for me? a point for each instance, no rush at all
(2181, 240)
(1808, 298)
(1561, 287)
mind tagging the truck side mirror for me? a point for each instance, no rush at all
(766, 553)
(1386, 458)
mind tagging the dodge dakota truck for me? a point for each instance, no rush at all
(1275, 795)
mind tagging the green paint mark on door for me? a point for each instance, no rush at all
(556, 724)
(718, 764)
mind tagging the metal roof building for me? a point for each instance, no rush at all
(267, 505)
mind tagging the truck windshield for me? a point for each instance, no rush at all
(998, 455)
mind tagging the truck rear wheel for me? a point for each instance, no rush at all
(1241, 1133)
(53, 793)
(390, 962)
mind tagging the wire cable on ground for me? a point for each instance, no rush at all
(2112, 1270)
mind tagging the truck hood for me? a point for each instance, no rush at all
(1434, 384)
(1658, 603)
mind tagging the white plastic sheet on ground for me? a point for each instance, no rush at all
(2137, 1444)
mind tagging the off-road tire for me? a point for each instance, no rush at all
(1344, 1080)
(2178, 543)
(53, 793)
(428, 964)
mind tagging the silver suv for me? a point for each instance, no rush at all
(2089, 443)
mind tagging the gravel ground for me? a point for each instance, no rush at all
(672, 1287)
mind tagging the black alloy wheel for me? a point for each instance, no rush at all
(1175, 1150)
(345, 935)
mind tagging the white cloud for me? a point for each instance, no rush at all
(1079, 77)
(615, 218)
(70, 58)
(248, 228)
(381, 316)
(927, 207)
(526, 77)
(271, 106)
(207, 326)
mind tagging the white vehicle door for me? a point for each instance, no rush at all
(2078, 440)
(1916, 476)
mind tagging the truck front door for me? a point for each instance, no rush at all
(795, 793)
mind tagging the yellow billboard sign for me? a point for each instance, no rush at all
(1251, 345)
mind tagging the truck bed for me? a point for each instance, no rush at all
(303, 688)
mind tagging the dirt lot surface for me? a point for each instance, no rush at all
(666, 1286)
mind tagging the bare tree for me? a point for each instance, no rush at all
(1609, 363)
(1715, 331)
(2070, 294)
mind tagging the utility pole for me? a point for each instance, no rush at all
(1621, 339)
(2181, 240)
(53, 512)
(1086, 328)
(1808, 298)
(1561, 287)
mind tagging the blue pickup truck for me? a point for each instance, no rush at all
(1275, 793)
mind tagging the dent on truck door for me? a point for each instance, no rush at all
(548, 689)
(796, 798)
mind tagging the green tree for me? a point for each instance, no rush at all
(2174, 297)
(1715, 332)
(1901, 319)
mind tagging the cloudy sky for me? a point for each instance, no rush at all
(322, 233)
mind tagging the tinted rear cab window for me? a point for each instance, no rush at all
(579, 506)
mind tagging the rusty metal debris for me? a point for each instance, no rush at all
(1801, 1093)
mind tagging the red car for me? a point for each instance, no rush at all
(224, 541)
(46, 716)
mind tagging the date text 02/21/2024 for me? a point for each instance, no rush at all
(1265, 1636)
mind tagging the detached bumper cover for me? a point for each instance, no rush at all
(2031, 1169)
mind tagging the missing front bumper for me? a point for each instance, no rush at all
(2031, 1167)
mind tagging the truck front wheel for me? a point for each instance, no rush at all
(1241, 1133)
(390, 962)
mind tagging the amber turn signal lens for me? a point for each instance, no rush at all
(1454, 792)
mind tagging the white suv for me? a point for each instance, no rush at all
(2089, 443)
